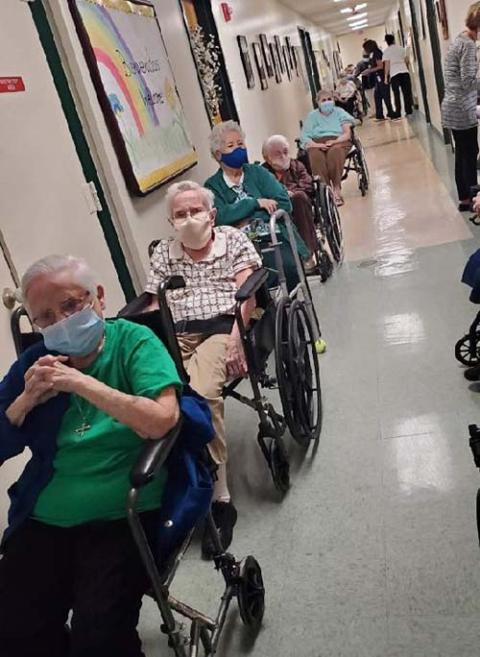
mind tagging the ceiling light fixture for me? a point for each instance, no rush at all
(361, 6)
(355, 17)
(359, 26)
(346, 10)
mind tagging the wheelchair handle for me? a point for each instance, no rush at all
(153, 457)
(251, 286)
(171, 283)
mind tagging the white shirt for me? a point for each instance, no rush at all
(396, 56)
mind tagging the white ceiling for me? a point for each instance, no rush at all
(326, 13)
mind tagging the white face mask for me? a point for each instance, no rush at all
(194, 231)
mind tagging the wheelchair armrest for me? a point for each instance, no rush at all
(171, 283)
(136, 306)
(153, 456)
(251, 286)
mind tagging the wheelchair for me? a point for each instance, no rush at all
(288, 328)
(357, 162)
(474, 433)
(243, 578)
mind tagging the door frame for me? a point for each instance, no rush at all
(421, 71)
(437, 57)
(80, 142)
(311, 64)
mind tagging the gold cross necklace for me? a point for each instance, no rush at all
(85, 426)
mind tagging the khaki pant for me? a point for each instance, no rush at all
(329, 164)
(204, 359)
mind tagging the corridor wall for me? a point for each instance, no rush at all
(277, 109)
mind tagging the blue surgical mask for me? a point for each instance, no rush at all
(327, 106)
(77, 335)
(236, 159)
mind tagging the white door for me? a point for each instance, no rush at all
(45, 202)
(10, 470)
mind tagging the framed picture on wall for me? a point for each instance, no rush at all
(246, 61)
(278, 48)
(257, 55)
(286, 59)
(295, 61)
(442, 17)
(276, 62)
(288, 43)
(267, 57)
(129, 66)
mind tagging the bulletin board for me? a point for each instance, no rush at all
(130, 69)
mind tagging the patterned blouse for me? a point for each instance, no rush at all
(461, 85)
(210, 283)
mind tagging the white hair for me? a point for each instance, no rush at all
(274, 140)
(323, 93)
(51, 265)
(188, 186)
(219, 131)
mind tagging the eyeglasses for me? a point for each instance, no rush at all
(182, 215)
(67, 308)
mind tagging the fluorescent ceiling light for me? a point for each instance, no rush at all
(360, 27)
(346, 10)
(357, 16)
(361, 6)
(338, 0)
(360, 22)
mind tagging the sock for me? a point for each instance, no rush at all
(220, 491)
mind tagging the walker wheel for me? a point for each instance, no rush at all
(320, 346)
(466, 353)
(251, 593)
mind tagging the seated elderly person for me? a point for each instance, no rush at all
(346, 93)
(327, 136)
(214, 262)
(299, 183)
(244, 192)
(82, 400)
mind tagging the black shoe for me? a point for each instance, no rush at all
(225, 518)
(465, 207)
(472, 373)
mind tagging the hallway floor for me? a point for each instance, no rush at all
(373, 553)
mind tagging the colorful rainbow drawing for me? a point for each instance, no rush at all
(112, 51)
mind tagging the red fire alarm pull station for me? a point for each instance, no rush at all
(227, 11)
(11, 84)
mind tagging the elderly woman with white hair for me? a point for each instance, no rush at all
(214, 263)
(294, 176)
(327, 137)
(81, 401)
(244, 192)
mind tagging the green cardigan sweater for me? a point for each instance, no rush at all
(257, 183)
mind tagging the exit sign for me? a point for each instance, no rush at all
(11, 84)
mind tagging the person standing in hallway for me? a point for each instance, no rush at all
(382, 89)
(398, 76)
(459, 106)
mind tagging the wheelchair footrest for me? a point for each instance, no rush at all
(474, 432)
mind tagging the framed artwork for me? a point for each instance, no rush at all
(129, 66)
(422, 20)
(288, 43)
(278, 48)
(286, 59)
(276, 62)
(337, 62)
(295, 61)
(325, 58)
(267, 58)
(246, 61)
(442, 17)
(301, 67)
(257, 55)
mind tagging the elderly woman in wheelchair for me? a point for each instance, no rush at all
(102, 514)
(214, 263)
(327, 136)
(248, 194)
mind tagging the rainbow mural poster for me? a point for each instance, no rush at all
(129, 66)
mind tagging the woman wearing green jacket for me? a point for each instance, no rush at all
(244, 192)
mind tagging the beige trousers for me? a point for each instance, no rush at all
(204, 359)
(329, 164)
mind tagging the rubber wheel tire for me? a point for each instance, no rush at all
(463, 352)
(279, 466)
(331, 221)
(305, 374)
(478, 515)
(251, 593)
(285, 388)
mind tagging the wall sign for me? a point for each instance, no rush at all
(129, 65)
(9, 85)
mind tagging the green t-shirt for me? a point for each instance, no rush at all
(91, 472)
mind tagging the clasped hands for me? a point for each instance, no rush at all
(50, 375)
(323, 146)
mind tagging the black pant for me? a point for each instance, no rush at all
(466, 154)
(347, 105)
(382, 95)
(402, 81)
(93, 570)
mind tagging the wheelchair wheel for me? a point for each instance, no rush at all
(305, 373)
(285, 382)
(466, 353)
(279, 465)
(251, 593)
(362, 170)
(333, 225)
